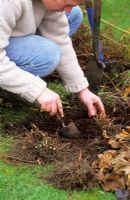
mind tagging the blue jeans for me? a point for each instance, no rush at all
(39, 55)
(75, 18)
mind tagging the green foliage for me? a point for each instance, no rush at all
(60, 89)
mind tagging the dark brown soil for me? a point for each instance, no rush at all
(41, 129)
(39, 142)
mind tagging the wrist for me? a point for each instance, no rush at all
(85, 89)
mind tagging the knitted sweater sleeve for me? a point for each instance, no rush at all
(12, 78)
(55, 26)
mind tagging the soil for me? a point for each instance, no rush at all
(38, 140)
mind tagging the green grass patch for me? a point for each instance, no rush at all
(59, 89)
(118, 13)
(114, 12)
(13, 115)
(21, 183)
(5, 143)
(96, 194)
(16, 114)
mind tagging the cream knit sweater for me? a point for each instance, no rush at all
(21, 18)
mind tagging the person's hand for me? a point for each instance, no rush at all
(50, 102)
(93, 102)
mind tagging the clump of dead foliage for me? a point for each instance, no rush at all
(73, 174)
(112, 167)
(35, 147)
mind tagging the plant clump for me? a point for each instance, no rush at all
(36, 147)
(73, 174)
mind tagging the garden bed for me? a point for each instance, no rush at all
(100, 154)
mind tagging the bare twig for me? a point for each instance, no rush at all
(116, 89)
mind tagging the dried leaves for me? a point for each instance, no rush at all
(113, 166)
(126, 92)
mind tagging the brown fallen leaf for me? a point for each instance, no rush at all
(128, 180)
(128, 155)
(123, 135)
(114, 144)
(126, 92)
(106, 158)
(110, 141)
(119, 162)
(113, 182)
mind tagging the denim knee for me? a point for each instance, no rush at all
(42, 66)
(35, 54)
(75, 18)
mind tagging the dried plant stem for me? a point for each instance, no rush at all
(116, 89)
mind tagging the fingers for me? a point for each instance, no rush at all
(55, 106)
(91, 110)
(51, 107)
(99, 106)
(53, 110)
(95, 108)
(50, 102)
(47, 107)
(93, 102)
(60, 108)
